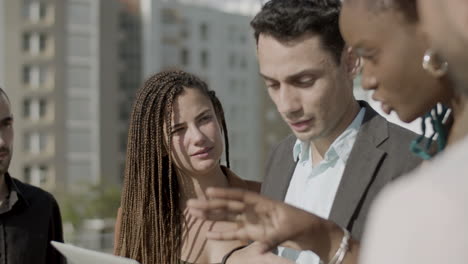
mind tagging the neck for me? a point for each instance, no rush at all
(459, 128)
(321, 145)
(194, 186)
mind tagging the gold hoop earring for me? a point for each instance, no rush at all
(433, 64)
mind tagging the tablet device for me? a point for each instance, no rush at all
(78, 255)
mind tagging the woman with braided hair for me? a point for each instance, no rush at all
(175, 144)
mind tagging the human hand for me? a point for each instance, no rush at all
(258, 218)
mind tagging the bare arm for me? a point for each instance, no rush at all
(271, 223)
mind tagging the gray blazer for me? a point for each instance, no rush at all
(379, 155)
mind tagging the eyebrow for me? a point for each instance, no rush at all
(302, 73)
(175, 126)
(266, 77)
(295, 75)
(6, 119)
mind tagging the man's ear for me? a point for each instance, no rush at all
(351, 62)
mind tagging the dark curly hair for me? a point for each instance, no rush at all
(288, 20)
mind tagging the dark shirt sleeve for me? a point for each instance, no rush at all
(55, 234)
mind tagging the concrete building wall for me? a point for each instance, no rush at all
(2, 41)
(62, 80)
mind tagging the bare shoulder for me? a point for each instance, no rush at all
(237, 182)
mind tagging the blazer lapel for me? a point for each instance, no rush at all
(360, 168)
(286, 179)
(283, 172)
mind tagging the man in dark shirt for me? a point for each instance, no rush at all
(29, 217)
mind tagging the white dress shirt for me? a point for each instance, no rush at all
(423, 216)
(314, 188)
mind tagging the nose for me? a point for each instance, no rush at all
(288, 100)
(2, 141)
(197, 136)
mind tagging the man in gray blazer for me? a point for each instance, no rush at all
(341, 152)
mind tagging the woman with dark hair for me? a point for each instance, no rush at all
(404, 73)
(421, 218)
(175, 144)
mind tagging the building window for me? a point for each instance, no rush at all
(27, 174)
(42, 108)
(232, 60)
(27, 74)
(42, 42)
(184, 57)
(243, 63)
(34, 10)
(185, 30)
(34, 75)
(36, 175)
(27, 105)
(204, 57)
(27, 42)
(34, 109)
(204, 31)
(42, 11)
(35, 142)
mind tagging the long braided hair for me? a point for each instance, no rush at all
(151, 226)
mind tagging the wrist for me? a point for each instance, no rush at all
(231, 253)
(334, 235)
(323, 238)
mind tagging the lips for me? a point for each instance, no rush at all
(3, 155)
(202, 151)
(301, 125)
(386, 108)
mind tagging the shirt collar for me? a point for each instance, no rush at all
(13, 187)
(341, 147)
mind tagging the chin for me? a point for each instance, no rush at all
(406, 118)
(410, 115)
(306, 136)
(204, 166)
